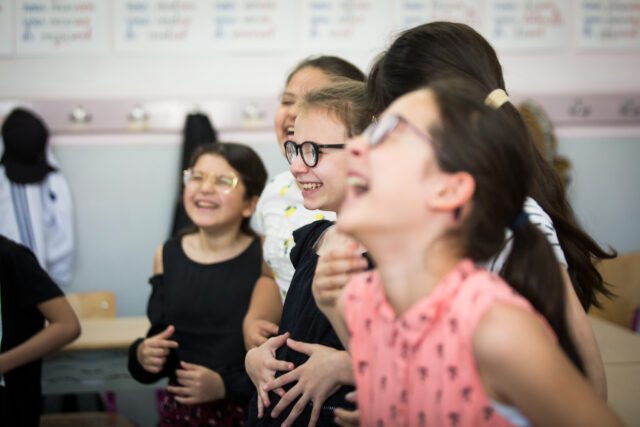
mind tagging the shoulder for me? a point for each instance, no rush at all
(308, 234)
(305, 237)
(158, 264)
(499, 349)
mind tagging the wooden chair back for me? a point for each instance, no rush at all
(623, 273)
(93, 305)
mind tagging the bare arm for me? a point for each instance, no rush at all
(533, 374)
(63, 327)
(584, 339)
(332, 274)
(265, 309)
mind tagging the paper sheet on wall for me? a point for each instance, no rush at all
(156, 26)
(409, 13)
(6, 27)
(531, 25)
(327, 25)
(61, 26)
(608, 24)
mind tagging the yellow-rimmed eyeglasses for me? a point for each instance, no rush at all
(222, 183)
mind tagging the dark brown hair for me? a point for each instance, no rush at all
(488, 144)
(244, 160)
(438, 50)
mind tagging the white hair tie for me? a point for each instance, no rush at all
(496, 98)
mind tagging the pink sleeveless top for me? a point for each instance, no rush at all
(418, 369)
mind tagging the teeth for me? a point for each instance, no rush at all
(202, 204)
(356, 181)
(289, 130)
(310, 185)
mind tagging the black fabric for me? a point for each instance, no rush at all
(24, 285)
(206, 303)
(25, 138)
(198, 130)
(305, 322)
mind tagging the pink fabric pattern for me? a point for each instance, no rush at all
(418, 369)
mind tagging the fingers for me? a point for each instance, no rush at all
(278, 365)
(288, 398)
(301, 347)
(153, 364)
(264, 397)
(315, 415)
(166, 333)
(268, 329)
(178, 390)
(159, 352)
(296, 410)
(155, 342)
(278, 341)
(341, 261)
(347, 418)
(260, 407)
(282, 380)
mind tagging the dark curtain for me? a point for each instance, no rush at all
(198, 130)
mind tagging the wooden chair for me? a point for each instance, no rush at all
(90, 305)
(93, 305)
(85, 419)
(623, 273)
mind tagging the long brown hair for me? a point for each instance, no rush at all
(436, 50)
(490, 145)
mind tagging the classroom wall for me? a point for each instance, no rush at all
(185, 54)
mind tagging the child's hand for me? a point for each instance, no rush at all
(314, 381)
(198, 384)
(346, 418)
(261, 365)
(257, 332)
(152, 353)
(332, 274)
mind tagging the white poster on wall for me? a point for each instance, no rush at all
(192, 26)
(152, 26)
(328, 25)
(411, 13)
(608, 24)
(6, 27)
(528, 25)
(52, 27)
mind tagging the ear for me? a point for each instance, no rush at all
(250, 206)
(453, 191)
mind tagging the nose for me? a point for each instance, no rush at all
(292, 112)
(357, 146)
(297, 166)
(208, 185)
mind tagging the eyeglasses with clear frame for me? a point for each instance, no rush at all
(309, 151)
(222, 183)
(378, 131)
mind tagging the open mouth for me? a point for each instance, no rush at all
(309, 186)
(202, 204)
(359, 185)
(288, 131)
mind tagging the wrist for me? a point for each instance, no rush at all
(345, 368)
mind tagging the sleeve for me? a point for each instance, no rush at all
(305, 237)
(155, 312)
(543, 222)
(58, 228)
(238, 385)
(33, 285)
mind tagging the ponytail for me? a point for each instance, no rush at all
(533, 271)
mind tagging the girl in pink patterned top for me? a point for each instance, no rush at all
(436, 340)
